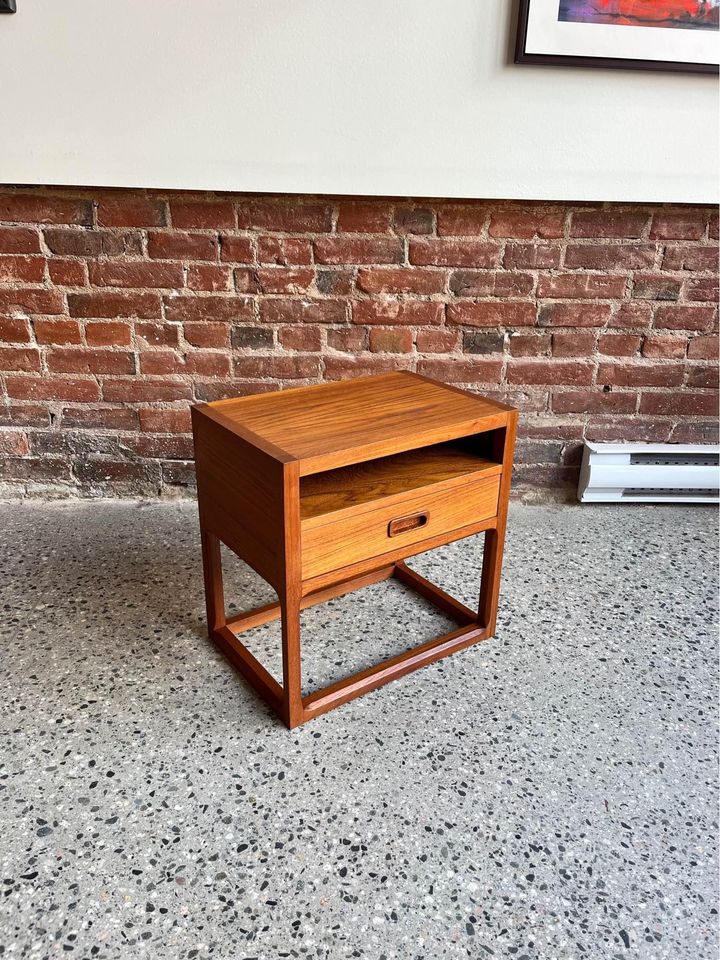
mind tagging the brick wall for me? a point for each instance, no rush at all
(118, 309)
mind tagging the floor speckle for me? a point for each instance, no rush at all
(550, 794)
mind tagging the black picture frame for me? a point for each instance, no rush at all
(8, 6)
(522, 56)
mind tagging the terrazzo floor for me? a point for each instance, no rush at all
(548, 795)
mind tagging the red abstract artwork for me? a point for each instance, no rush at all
(677, 14)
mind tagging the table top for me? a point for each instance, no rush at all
(334, 424)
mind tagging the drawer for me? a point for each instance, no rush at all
(372, 530)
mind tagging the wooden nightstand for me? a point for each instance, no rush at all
(329, 488)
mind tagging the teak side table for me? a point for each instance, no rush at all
(325, 489)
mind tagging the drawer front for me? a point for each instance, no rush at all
(376, 531)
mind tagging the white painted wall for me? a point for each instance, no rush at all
(336, 96)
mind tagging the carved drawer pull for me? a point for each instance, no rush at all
(403, 524)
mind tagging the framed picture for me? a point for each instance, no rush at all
(679, 35)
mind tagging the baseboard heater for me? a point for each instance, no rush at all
(649, 473)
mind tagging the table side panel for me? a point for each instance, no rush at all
(240, 495)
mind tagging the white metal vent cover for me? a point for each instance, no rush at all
(649, 473)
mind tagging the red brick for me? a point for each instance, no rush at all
(160, 447)
(217, 308)
(14, 330)
(655, 287)
(385, 312)
(283, 251)
(684, 318)
(483, 341)
(252, 338)
(132, 212)
(610, 256)
(81, 360)
(36, 469)
(640, 374)
(679, 404)
(165, 245)
(581, 286)
(363, 217)
(77, 389)
(697, 432)
(348, 340)
(335, 283)
(462, 371)
(146, 306)
(442, 252)
(358, 250)
(93, 243)
(678, 225)
(202, 215)
(537, 451)
(524, 222)
(25, 414)
(17, 300)
(105, 418)
(209, 276)
(246, 280)
(632, 315)
(549, 372)
(284, 216)
(146, 391)
(138, 274)
(628, 431)
(19, 359)
(573, 344)
(702, 288)
(704, 348)
(26, 208)
(532, 256)
(401, 280)
(18, 269)
(690, 257)
(703, 378)
(158, 334)
(113, 334)
(281, 368)
(619, 345)
(668, 348)
(285, 279)
(436, 341)
(410, 219)
(207, 334)
(303, 311)
(593, 401)
(628, 224)
(574, 314)
(236, 249)
(492, 314)
(198, 362)
(530, 344)
(392, 340)
(19, 240)
(303, 339)
(97, 469)
(488, 283)
(57, 331)
(549, 429)
(176, 420)
(68, 273)
(463, 220)
(714, 226)
(342, 368)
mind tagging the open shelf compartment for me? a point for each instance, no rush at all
(372, 482)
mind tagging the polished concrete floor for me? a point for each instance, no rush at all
(550, 794)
